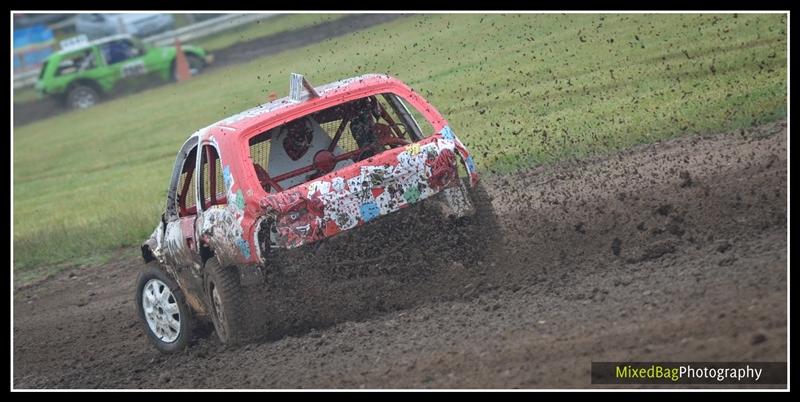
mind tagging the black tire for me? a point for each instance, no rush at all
(81, 96)
(484, 215)
(481, 201)
(184, 316)
(484, 210)
(480, 232)
(196, 65)
(226, 306)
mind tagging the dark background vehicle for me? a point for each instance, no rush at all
(97, 25)
(28, 20)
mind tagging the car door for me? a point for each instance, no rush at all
(125, 61)
(80, 64)
(157, 60)
(180, 244)
(219, 228)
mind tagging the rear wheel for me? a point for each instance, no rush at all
(484, 214)
(196, 65)
(225, 299)
(478, 228)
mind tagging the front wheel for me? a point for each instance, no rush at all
(82, 97)
(163, 310)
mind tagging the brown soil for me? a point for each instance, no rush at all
(675, 251)
(28, 112)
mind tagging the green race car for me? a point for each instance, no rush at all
(81, 74)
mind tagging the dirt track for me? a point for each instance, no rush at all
(672, 251)
(28, 112)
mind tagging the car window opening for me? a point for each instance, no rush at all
(186, 187)
(76, 62)
(331, 139)
(212, 185)
(43, 69)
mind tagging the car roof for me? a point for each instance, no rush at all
(94, 43)
(242, 121)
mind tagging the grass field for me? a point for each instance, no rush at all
(519, 90)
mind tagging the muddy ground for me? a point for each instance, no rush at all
(28, 112)
(675, 251)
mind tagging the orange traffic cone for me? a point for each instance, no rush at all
(181, 65)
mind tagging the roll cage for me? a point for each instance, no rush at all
(348, 141)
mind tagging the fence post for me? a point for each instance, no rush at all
(121, 24)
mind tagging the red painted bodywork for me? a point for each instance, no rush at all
(231, 138)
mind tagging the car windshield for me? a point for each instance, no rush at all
(325, 141)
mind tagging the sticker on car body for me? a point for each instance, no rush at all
(133, 68)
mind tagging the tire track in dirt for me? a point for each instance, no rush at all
(671, 251)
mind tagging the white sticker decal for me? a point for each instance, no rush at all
(133, 68)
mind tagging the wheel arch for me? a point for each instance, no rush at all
(147, 253)
(206, 253)
(85, 82)
(187, 53)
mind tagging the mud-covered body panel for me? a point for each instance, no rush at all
(341, 200)
(362, 192)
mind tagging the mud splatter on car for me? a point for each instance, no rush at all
(293, 172)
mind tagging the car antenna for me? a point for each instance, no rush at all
(296, 85)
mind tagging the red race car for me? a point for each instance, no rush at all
(286, 174)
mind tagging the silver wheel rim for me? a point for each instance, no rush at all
(161, 311)
(194, 65)
(83, 99)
